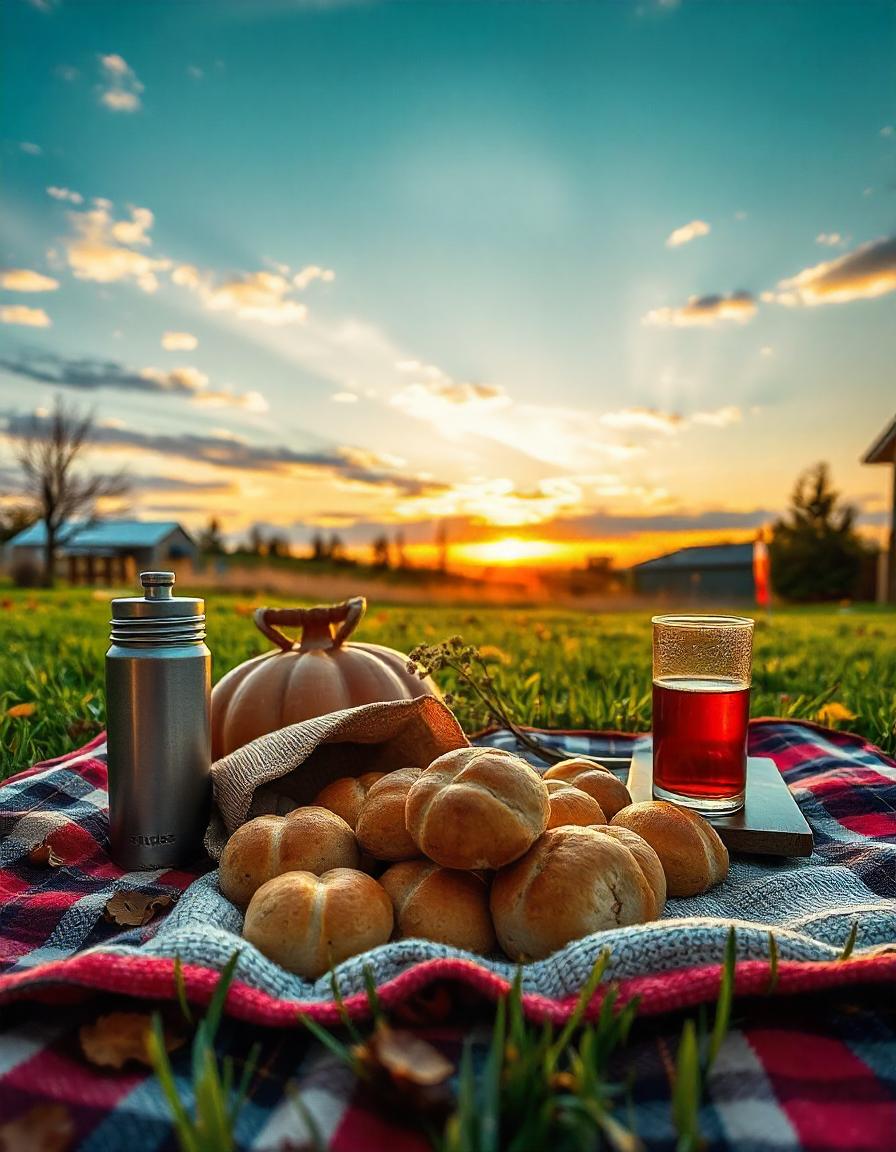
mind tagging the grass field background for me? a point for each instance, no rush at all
(558, 669)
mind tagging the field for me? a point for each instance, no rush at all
(562, 669)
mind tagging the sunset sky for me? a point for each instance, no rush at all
(601, 277)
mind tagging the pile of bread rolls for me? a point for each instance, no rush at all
(477, 850)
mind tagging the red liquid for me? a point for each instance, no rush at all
(700, 736)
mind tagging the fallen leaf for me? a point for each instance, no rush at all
(44, 856)
(134, 909)
(46, 1128)
(403, 1071)
(19, 710)
(112, 1040)
(405, 1056)
(833, 711)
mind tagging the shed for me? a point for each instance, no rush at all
(883, 451)
(707, 572)
(107, 551)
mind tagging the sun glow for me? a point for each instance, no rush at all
(507, 550)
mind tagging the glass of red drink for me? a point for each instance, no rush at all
(701, 704)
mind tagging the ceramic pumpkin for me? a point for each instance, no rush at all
(300, 680)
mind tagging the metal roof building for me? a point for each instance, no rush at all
(883, 451)
(107, 550)
(708, 572)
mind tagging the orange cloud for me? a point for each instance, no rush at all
(26, 280)
(105, 250)
(29, 317)
(740, 306)
(863, 274)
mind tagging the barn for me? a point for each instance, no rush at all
(105, 551)
(712, 572)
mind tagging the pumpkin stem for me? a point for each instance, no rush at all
(316, 624)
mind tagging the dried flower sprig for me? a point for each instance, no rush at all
(471, 670)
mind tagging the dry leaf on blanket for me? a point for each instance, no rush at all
(404, 1070)
(43, 855)
(134, 909)
(46, 1128)
(112, 1040)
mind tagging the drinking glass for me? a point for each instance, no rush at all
(701, 704)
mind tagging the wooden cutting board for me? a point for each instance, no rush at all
(769, 824)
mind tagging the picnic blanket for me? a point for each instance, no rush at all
(54, 938)
(800, 1077)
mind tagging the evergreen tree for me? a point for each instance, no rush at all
(816, 553)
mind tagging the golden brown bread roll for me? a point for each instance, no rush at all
(308, 839)
(346, 795)
(690, 851)
(381, 828)
(572, 882)
(308, 923)
(441, 904)
(570, 805)
(647, 859)
(477, 808)
(597, 781)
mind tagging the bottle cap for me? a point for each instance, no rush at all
(158, 614)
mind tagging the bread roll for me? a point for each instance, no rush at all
(690, 851)
(307, 923)
(572, 882)
(477, 808)
(308, 839)
(441, 904)
(647, 859)
(571, 805)
(346, 795)
(597, 781)
(381, 828)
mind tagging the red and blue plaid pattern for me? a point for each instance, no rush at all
(817, 1072)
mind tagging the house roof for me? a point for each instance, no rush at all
(704, 556)
(102, 534)
(883, 450)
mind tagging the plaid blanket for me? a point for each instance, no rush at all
(770, 1088)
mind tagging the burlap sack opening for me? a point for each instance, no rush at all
(287, 768)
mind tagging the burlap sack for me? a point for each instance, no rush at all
(287, 768)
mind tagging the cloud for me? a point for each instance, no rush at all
(863, 274)
(740, 306)
(264, 296)
(686, 233)
(344, 398)
(653, 420)
(29, 317)
(313, 272)
(887, 130)
(65, 194)
(345, 464)
(90, 375)
(179, 341)
(766, 350)
(648, 418)
(119, 88)
(26, 280)
(195, 72)
(500, 502)
(30, 148)
(830, 239)
(720, 417)
(105, 250)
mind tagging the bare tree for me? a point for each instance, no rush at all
(59, 491)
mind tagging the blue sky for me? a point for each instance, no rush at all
(437, 258)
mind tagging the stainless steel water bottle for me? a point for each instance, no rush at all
(158, 679)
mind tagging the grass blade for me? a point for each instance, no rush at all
(726, 995)
(686, 1091)
(180, 989)
(850, 941)
(772, 964)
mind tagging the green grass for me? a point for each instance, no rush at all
(561, 669)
